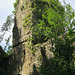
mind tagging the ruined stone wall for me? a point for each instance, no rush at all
(24, 56)
(25, 59)
(20, 36)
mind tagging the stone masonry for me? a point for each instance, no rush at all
(25, 57)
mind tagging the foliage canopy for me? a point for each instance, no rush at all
(49, 20)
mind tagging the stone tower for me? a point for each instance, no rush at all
(29, 56)
(25, 56)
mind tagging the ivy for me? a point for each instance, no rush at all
(16, 3)
(49, 19)
(26, 20)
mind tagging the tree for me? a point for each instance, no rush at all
(64, 43)
(6, 27)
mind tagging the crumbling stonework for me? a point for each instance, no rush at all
(25, 57)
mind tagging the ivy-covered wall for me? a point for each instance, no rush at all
(39, 47)
(35, 23)
(43, 17)
(48, 19)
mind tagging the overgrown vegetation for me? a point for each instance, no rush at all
(61, 26)
(15, 4)
(55, 21)
(8, 47)
(6, 27)
(48, 20)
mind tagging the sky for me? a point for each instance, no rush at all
(6, 8)
(71, 2)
